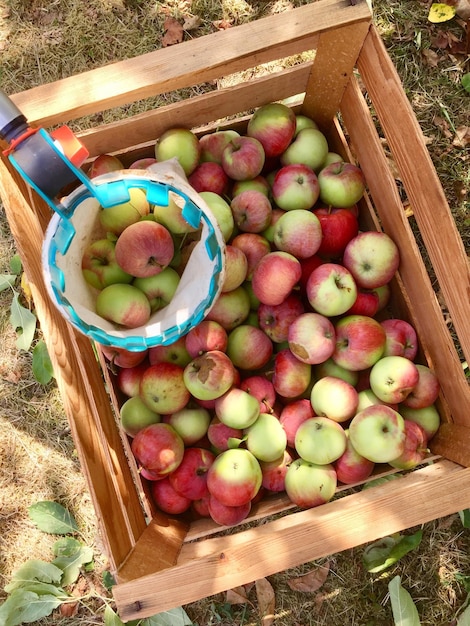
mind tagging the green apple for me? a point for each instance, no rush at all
(116, 218)
(266, 438)
(309, 147)
(123, 304)
(320, 440)
(191, 424)
(237, 408)
(221, 211)
(135, 415)
(378, 433)
(99, 265)
(309, 485)
(159, 288)
(181, 143)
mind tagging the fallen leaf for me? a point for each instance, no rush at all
(312, 581)
(431, 58)
(173, 32)
(462, 137)
(266, 601)
(68, 609)
(191, 22)
(237, 595)
(222, 24)
(440, 12)
(441, 123)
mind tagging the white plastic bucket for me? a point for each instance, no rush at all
(76, 225)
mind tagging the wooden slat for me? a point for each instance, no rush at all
(453, 441)
(214, 565)
(195, 112)
(423, 188)
(335, 58)
(425, 310)
(186, 64)
(78, 376)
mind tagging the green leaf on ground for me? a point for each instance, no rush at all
(466, 82)
(16, 266)
(7, 281)
(382, 554)
(112, 619)
(42, 365)
(24, 606)
(377, 482)
(404, 610)
(32, 572)
(22, 318)
(72, 564)
(464, 618)
(52, 518)
(173, 617)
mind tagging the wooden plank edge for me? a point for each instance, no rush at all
(215, 565)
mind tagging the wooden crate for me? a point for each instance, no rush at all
(163, 562)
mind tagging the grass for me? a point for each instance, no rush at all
(41, 41)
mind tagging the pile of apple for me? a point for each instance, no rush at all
(295, 380)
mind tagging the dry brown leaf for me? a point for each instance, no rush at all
(266, 601)
(191, 22)
(173, 32)
(431, 58)
(237, 595)
(68, 609)
(312, 581)
(222, 24)
(462, 137)
(443, 124)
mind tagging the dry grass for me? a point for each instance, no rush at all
(41, 41)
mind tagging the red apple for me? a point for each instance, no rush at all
(275, 276)
(274, 472)
(213, 144)
(209, 176)
(338, 226)
(251, 211)
(292, 415)
(121, 357)
(189, 479)
(235, 477)
(144, 248)
(426, 391)
(276, 319)
(312, 338)
(295, 187)
(158, 449)
(103, 164)
(128, 378)
(243, 158)
(248, 347)
(274, 126)
(254, 246)
(416, 447)
(205, 336)
(360, 342)
(401, 338)
(291, 377)
(392, 378)
(351, 467)
(163, 389)
(219, 434)
(225, 515)
(262, 389)
(167, 498)
(298, 232)
(331, 289)
(366, 303)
